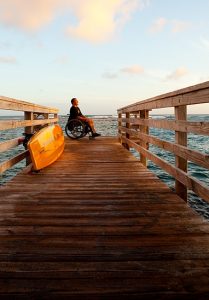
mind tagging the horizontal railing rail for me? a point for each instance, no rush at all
(35, 117)
(195, 94)
(135, 123)
(19, 105)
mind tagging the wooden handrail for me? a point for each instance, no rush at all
(182, 151)
(4, 146)
(11, 124)
(201, 128)
(19, 105)
(188, 96)
(133, 131)
(12, 161)
(35, 116)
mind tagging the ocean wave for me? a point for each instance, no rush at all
(158, 117)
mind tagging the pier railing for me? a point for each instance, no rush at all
(35, 116)
(134, 123)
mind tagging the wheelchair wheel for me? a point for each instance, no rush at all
(75, 129)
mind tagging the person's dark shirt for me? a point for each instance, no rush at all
(75, 112)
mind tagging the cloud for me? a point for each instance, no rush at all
(178, 73)
(176, 25)
(158, 25)
(8, 60)
(179, 26)
(28, 15)
(97, 20)
(135, 69)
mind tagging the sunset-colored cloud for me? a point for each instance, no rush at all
(7, 60)
(158, 25)
(134, 69)
(28, 15)
(179, 26)
(97, 20)
(178, 73)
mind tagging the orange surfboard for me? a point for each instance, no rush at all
(46, 146)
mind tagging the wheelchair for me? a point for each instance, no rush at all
(76, 129)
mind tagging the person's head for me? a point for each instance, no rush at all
(74, 101)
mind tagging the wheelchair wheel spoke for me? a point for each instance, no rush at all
(75, 129)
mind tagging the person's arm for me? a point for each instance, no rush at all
(75, 113)
(82, 118)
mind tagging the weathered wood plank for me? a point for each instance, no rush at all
(168, 228)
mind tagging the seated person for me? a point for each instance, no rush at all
(75, 113)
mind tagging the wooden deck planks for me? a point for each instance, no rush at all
(97, 225)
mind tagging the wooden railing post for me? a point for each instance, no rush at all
(28, 130)
(46, 116)
(181, 139)
(28, 116)
(119, 125)
(55, 116)
(144, 114)
(127, 126)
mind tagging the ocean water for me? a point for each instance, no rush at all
(107, 126)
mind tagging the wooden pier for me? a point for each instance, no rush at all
(98, 225)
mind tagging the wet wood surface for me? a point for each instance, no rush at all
(98, 225)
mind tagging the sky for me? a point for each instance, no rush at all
(106, 53)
